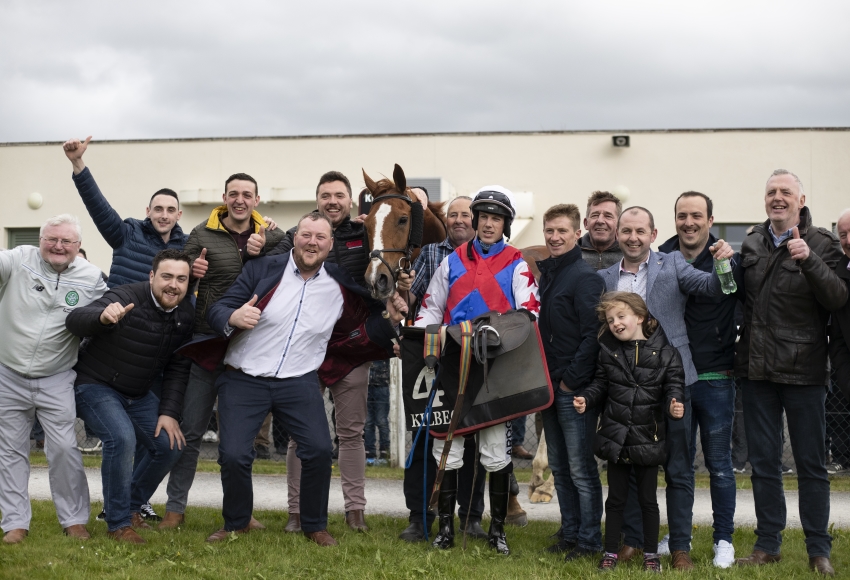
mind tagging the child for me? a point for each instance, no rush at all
(639, 375)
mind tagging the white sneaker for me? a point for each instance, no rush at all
(210, 437)
(664, 546)
(724, 554)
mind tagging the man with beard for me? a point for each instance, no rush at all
(599, 246)
(133, 332)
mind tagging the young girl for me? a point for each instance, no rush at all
(639, 377)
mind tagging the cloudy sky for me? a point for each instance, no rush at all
(157, 69)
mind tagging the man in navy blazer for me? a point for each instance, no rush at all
(664, 281)
(281, 316)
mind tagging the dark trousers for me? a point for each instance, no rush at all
(618, 494)
(838, 426)
(804, 407)
(416, 491)
(243, 404)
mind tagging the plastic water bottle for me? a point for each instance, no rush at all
(724, 272)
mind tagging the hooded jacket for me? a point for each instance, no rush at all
(636, 382)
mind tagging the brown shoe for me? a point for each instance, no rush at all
(520, 452)
(77, 531)
(126, 534)
(138, 522)
(223, 534)
(171, 520)
(293, 523)
(254, 525)
(516, 515)
(356, 521)
(626, 553)
(822, 565)
(758, 558)
(681, 560)
(323, 538)
(15, 536)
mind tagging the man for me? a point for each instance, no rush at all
(133, 333)
(664, 281)
(134, 242)
(791, 285)
(39, 287)
(839, 354)
(349, 251)
(304, 307)
(422, 463)
(569, 293)
(218, 246)
(599, 246)
(501, 281)
(710, 322)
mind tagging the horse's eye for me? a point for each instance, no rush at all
(402, 220)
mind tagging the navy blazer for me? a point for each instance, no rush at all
(670, 280)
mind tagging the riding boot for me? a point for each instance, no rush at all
(500, 484)
(445, 538)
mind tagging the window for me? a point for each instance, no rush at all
(23, 237)
(733, 234)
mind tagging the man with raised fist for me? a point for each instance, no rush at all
(218, 248)
(790, 288)
(133, 332)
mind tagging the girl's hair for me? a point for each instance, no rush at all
(634, 302)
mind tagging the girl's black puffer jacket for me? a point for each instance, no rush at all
(640, 379)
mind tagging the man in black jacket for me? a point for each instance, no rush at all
(132, 333)
(839, 353)
(710, 322)
(569, 292)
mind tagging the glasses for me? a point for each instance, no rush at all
(64, 243)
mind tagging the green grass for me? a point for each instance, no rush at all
(182, 553)
(523, 475)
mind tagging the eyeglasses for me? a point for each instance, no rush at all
(64, 243)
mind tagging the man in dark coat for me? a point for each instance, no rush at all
(838, 399)
(569, 292)
(599, 247)
(132, 333)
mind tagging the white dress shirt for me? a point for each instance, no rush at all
(294, 329)
(631, 282)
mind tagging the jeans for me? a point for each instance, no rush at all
(679, 475)
(244, 402)
(569, 440)
(713, 408)
(518, 431)
(804, 408)
(377, 416)
(121, 422)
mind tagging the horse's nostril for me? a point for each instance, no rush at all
(383, 282)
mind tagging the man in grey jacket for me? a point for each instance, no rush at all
(664, 281)
(38, 288)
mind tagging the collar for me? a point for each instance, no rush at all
(645, 263)
(781, 237)
(586, 244)
(447, 243)
(159, 306)
(214, 222)
(293, 267)
(558, 262)
(494, 249)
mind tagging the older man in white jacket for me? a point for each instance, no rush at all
(38, 288)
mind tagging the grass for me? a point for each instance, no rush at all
(182, 553)
(523, 475)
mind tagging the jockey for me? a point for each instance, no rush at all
(480, 276)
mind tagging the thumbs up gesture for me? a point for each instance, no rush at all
(246, 316)
(200, 265)
(580, 404)
(114, 312)
(798, 248)
(256, 242)
(74, 149)
(677, 410)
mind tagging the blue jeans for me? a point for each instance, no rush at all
(569, 441)
(713, 407)
(377, 416)
(120, 423)
(804, 408)
(679, 475)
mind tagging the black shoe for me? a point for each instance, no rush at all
(414, 532)
(148, 514)
(561, 547)
(474, 529)
(500, 485)
(263, 452)
(102, 516)
(578, 552)
(445, 538)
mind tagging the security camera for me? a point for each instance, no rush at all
(620, 140)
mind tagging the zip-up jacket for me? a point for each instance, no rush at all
(34, 302)
(130, 355)
(134, 242)
(596, 259)
(225, 261)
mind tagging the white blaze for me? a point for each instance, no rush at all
(380, 216)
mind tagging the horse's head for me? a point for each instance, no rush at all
(393, 230)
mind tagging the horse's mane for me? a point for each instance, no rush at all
(387, 186)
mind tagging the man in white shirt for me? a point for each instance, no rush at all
(282, 314)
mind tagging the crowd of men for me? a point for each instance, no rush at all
(279, 317)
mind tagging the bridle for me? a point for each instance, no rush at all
(414, 237)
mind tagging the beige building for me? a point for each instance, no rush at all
(546, 168)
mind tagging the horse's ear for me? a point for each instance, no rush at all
(399, 178)
(370, 185)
